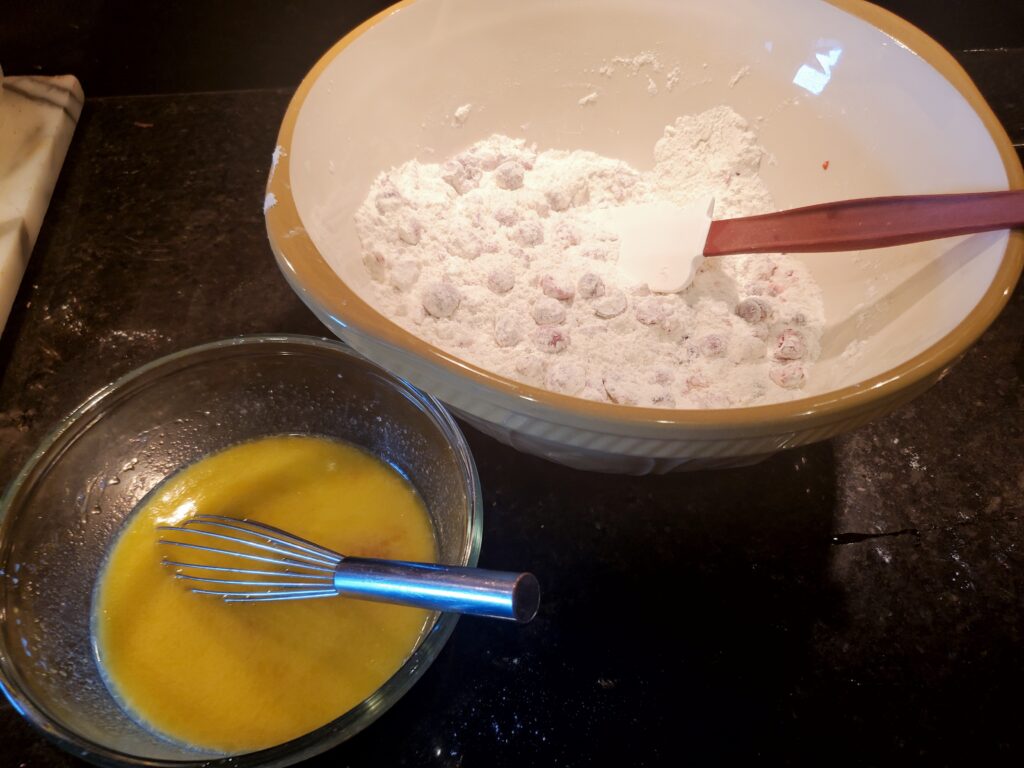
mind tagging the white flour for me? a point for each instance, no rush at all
(501, 257)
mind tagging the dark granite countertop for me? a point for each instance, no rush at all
(857, 601)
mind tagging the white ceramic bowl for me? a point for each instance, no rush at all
(843, 82)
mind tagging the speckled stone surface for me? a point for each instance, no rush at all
(855, 602)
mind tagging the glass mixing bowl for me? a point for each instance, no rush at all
(60, 515)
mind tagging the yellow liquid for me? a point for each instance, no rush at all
(240, 677)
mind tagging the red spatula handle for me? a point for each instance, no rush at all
(871, 222)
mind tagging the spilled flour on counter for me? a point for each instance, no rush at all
(501, 256)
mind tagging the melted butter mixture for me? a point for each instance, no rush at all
(241, 677)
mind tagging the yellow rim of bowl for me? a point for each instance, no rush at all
(318, 282)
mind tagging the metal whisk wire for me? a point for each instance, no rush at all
(307, 568)
(294, 568)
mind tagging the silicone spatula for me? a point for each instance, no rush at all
(663, 245)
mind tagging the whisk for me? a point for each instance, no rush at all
(254, 562)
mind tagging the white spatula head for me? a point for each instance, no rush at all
(661, 244)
